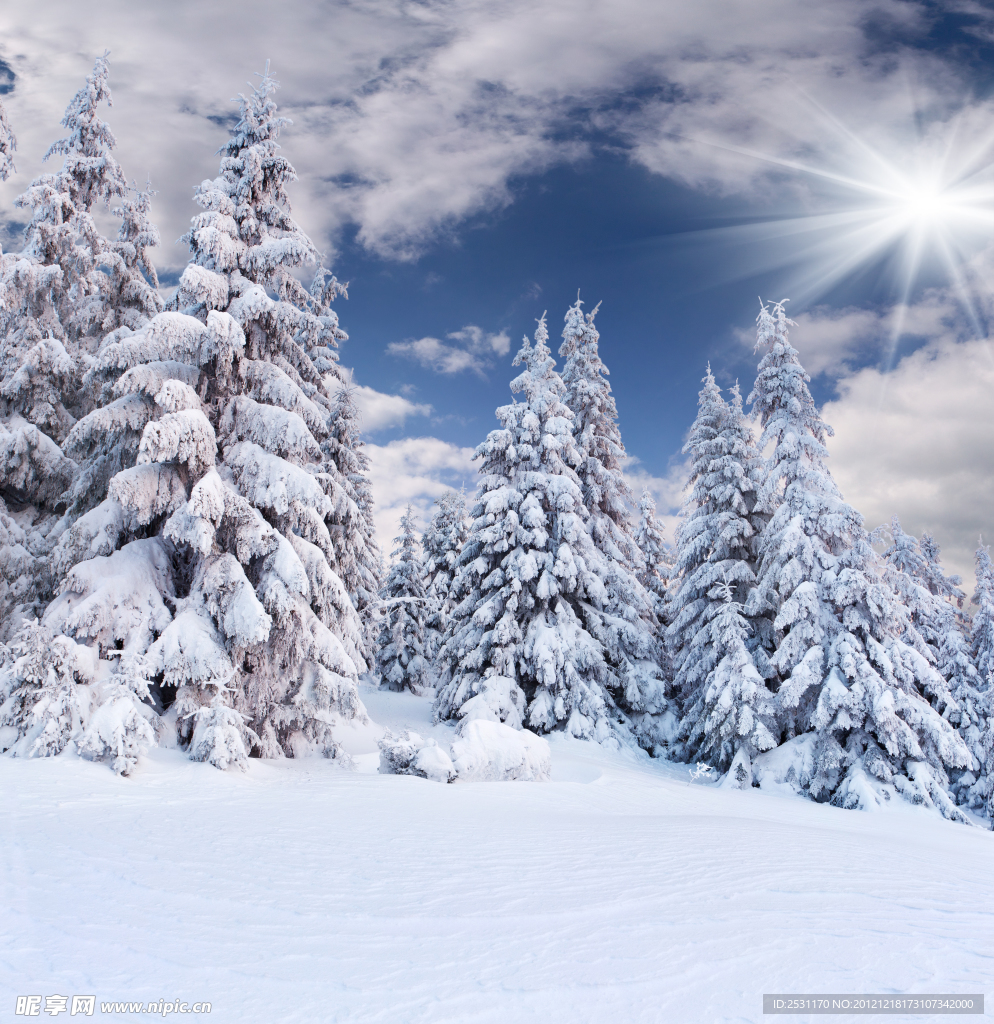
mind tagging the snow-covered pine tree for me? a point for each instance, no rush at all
(133, 297)
(849, 696)
(54, 299)
(626, 624)
(359, 561)
(982, 633)
(441, 543)
(658, 557)
(8, 146)
(401, 655)
(715, 549)
(734, 719)
(913, 570)
(516, 649)
(61, 232)
(210, 561)
(982, 649)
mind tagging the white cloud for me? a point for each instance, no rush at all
(379, 410)
(669, 492)
(918, 442)
(474, 349)
(411, 117)
(414, 470)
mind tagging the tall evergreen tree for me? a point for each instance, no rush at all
(516, 649)
(913, 570)
(54, 299)
(401, 657)
(849, 688)
(625, 623)
(358, 561)
(441, 543)
(982, 634)
(733, 718)
(8, 146)
(715, 549)
(657, 557)
(982, 649)
(211, 560)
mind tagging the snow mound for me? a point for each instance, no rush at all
(492, 752)
(483, 752)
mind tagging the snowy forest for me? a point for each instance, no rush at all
(188, 556)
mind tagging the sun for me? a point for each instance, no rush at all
(913, 210)
(927, 206)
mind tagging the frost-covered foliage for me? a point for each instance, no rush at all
(982, 649)
(517, 649)
(982, 633)
(358, 559)
(715, 548)
(658, 557)
(56, 297)
(56, 694)
(483, 751)
(72, 301)
(733, 718)
(134, 287)
(626, 623)
(8, 145)
(844, 671)
(932, 600)
(33, 475)
(401, 658)
(211, 560)
(441, 543)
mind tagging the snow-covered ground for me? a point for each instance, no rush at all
(620, 891)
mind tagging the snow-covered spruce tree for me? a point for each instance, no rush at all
(401, 650)
(715, 547)
(982, 633)
(982, 649)
(359, 561)
(56, 298)
(734, 717)
(56, 693)
(516, 649)
(913, 570)
(625, 624)
(658, 557)
(133, 299)
(441, 543)
(70, 304)
(849, 697)
(133, 294)
(211, 561)
(8, 145)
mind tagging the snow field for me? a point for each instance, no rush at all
(619, 891)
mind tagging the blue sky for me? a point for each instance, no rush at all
(470, 165)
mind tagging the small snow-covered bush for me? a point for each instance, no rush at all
(493, 752)
(484, 751)
(411, 754)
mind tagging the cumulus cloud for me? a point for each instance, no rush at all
(416, 471)
(380, 411)
(411, 117)
(669, 491)
(471, 349)
(918, 442)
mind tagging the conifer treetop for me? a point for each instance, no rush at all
(90, 173)
(8, 146)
